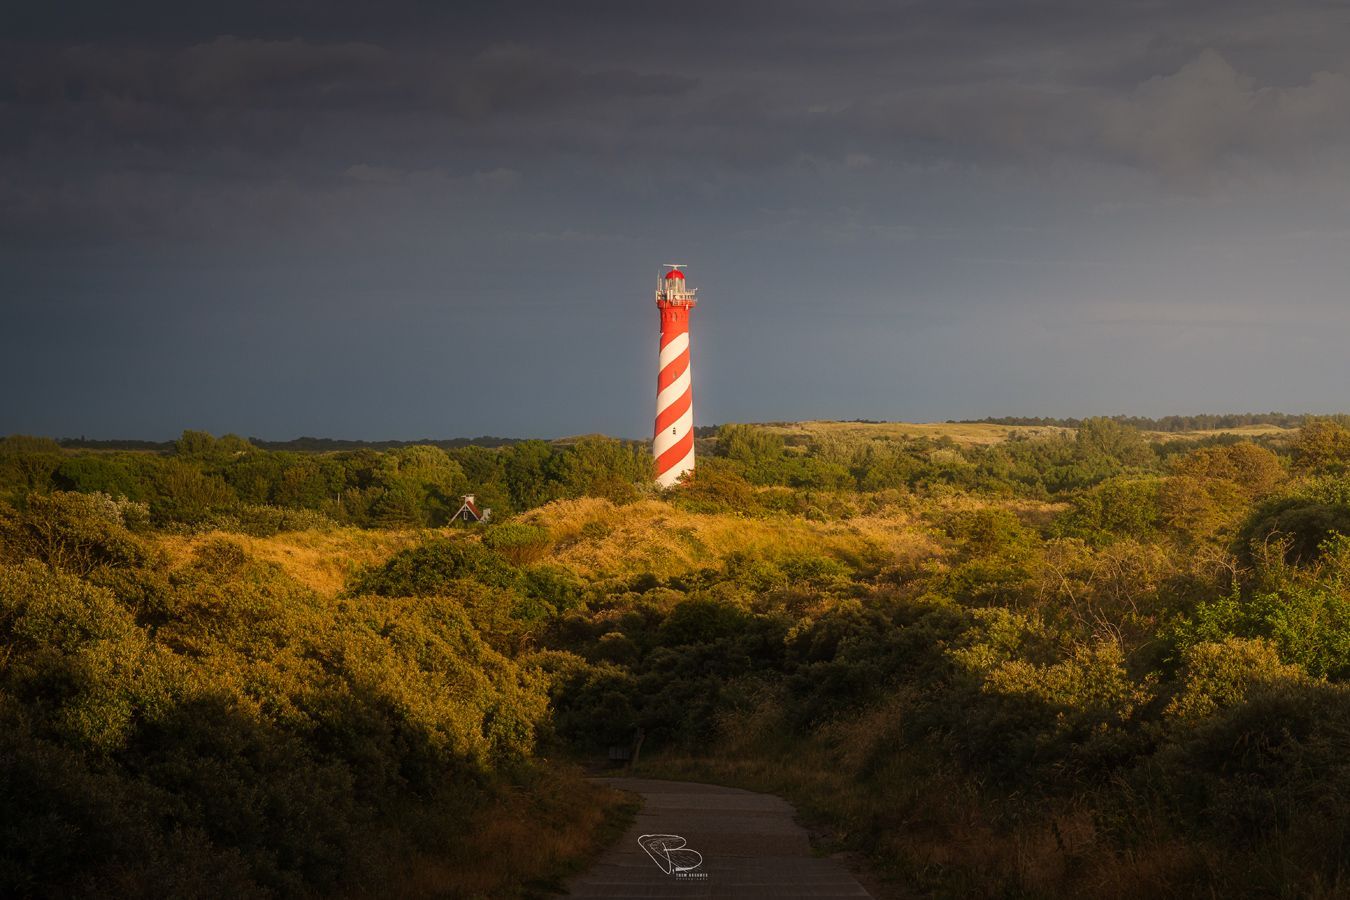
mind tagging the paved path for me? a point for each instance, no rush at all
(743, 845)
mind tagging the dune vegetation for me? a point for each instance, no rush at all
(1069, 661)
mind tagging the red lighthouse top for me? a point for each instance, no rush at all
(671, 289)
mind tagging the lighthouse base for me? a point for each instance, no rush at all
(670, 477)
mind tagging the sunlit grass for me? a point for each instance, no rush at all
(596, 538)
(322, 561)
(961, 432)
(978, 433)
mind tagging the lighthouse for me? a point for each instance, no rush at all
(673, 439)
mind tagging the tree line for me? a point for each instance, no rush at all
(228, 481)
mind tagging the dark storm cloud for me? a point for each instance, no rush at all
(1044, 160)
(745, 84)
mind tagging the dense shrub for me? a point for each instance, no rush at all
(1307, 516)
(1120, 507)
(1308, 623)
(433, 567)
(1219, 675)
(1036, 720)
(1270, 769)
(74, 532)
(243, 735)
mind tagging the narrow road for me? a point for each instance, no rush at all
(701, 840)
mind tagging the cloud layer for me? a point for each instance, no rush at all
(917, 171)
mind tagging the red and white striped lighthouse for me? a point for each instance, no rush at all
(673, 441)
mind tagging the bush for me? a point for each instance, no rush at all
(1254, 470)
(1308, 516)
(1308, 624)
(592, 703)
(74, 532)
(1121, 507)
(717, 488)
(1221, 675)
(433, 567)
(1076, 713)
(1322, 445)
(264, 521)
(1269, 771)
(254, 736)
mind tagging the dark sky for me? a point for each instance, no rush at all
(414, 219)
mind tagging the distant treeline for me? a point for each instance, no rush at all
(1202, 422)
(201, 481)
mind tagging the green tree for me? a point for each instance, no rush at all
(1255, 470)
(27, 464)
(99, 474)
(603, 467)
(1112, 440)
(530, 469)
(423, 486)
(202, 447)
(1322, 445)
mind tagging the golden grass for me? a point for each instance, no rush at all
(1240, 430)
(597, 539)
(979, 433)
(961, 432)
(321, 560)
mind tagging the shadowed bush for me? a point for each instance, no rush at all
(248, 736)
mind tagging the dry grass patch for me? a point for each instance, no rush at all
(967, 433)
(597, 539)
(1240, 430)
(320, 560)
(980, 433)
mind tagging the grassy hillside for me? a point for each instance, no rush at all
(982, 433)
(966, 433)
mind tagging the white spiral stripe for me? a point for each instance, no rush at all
(674, 391)
(670, 352)
(672, 475)
(669, 438)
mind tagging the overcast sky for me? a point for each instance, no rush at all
(420, 219)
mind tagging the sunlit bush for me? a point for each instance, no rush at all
(1221, 675)
(432, 567)
(74, 532)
